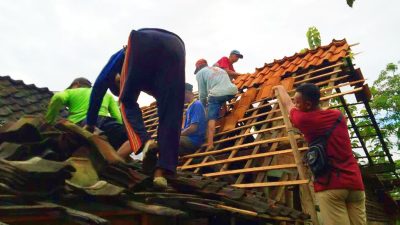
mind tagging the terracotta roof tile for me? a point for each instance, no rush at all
(333, 52)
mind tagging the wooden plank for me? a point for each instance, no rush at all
(345, 77)
(250, 125)
(279, 193)
(258, 115)
(240, 158)
(318, 70)
(233, 153)
(250, 170)
(267, 161)
(257, 148)
(261, 106)
(341, 94)
(317, 77)
(248, 134)
(307, 200)
(272, 184)
(235, 147)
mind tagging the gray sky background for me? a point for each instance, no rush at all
(50, 42)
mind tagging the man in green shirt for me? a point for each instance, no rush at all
(76, 98)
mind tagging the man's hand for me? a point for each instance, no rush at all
(285, 98)
(89, 128)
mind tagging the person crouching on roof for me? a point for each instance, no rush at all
(195, 124)
(76, 98)
(215, 89)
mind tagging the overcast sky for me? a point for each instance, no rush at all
(50, 42)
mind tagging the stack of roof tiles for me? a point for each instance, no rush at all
(297, 63)
(18, 99)
(100, 172)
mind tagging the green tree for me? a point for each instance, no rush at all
(386, 102)
(313, 37)
(350, 2)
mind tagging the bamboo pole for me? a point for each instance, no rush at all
(307, 201)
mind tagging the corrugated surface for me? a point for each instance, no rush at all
(333, 52)
(18, 99)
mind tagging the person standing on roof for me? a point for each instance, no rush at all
(195, 124)
(76, 98)
(340, 191)
(215, 89)
(153, 62)
(226, 63)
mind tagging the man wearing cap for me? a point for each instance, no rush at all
(215, 88)
(153, 62)
(227, 63)
(76, 98)
(195, 124)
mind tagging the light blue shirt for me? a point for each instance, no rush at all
(214, 81)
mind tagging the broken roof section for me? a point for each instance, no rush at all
(18, 99)
(254, 148)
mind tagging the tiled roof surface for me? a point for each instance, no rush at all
(18, 99)
(336, 50)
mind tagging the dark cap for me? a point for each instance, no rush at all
(188, 87)
(236, 52)
(200, 64)
(81, 81)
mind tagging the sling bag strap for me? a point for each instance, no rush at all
(326, 137)
(337, 122)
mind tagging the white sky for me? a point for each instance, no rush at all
(51, 42)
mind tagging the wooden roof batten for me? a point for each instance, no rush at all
(256, 146)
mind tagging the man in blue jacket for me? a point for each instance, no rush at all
(153, 62)
(195, 124)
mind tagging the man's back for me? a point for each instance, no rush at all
(214, 81)
(77, 101)
(346, 173)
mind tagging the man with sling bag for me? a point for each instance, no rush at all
(339, 187)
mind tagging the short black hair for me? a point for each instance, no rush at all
(82, 81)
(188, 87)
(310, 92)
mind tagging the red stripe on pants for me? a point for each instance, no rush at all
(134, 139)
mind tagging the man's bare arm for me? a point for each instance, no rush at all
(190, 130)
(286, 100)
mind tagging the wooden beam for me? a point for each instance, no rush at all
(248, 134)
(236, 147)
(250, 170)
(240, 158)
(272, 184)
(306, 200)
(317, 77)
(318, 70)
(250, 125)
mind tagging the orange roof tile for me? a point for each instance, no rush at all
(333, 52)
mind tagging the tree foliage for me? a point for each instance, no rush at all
(313, 37)
(386, 102)
(350, 2)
